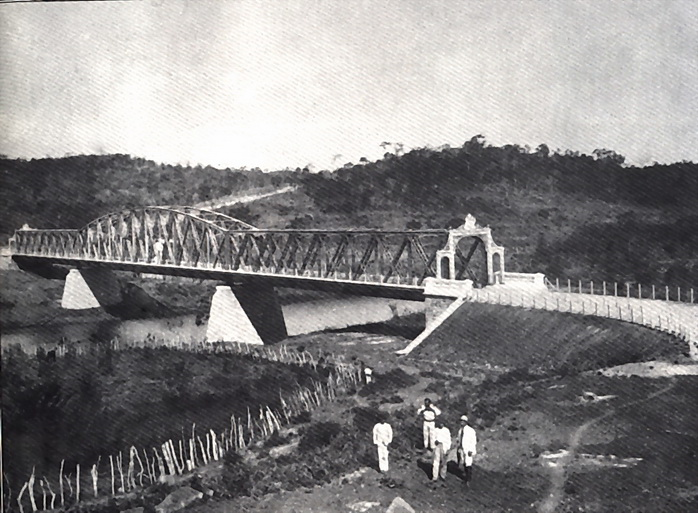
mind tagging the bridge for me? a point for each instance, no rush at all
(199, 243)
(436, 266)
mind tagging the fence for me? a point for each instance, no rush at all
(626, 290)
(175, 458)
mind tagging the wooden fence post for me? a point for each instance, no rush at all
(31, 490)
(604, 288)
(615, 289)
(666, 293)
(639, 290)
(678, 293)
(653, 292)
(569, 286)
(60, 477)
(77, 483)
(591, 287)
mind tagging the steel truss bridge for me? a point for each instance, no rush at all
(198, 243)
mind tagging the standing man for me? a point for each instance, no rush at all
(368, 375)
(158, 248)
(467, 448)
(428, 414)
(442, 442)
(382, 437)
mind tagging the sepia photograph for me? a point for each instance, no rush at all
(318, 256)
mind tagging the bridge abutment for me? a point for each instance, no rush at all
(439, 295)
(90, 288)
(245, 313)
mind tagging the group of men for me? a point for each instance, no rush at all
(437, 439)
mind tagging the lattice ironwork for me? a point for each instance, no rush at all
(195, 238)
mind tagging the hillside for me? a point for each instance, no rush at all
(563, 213)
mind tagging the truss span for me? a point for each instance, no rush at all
(165, 238)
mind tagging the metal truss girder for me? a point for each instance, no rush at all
(194, 238)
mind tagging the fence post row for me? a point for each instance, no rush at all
(690, 295)
(342, 378)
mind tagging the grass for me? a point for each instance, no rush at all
(79, 407)
(543, 341)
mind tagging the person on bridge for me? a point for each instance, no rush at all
(467, 448)
(382, 438)
(442, 443)
(158, 248)
(428, 413)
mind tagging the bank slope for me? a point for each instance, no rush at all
(539, 340)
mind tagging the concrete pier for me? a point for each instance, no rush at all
(250, 314)
(90, 288)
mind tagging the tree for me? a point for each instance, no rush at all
(602, 154)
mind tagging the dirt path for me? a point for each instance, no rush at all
(559, 473)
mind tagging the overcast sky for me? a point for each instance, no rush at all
(284, 84)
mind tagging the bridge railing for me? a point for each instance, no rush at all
(51, 243)
(626, 290)
(669, 317)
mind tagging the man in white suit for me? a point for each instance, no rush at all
(382, 437)
(428, 414)
(467, 448)
(442, 446)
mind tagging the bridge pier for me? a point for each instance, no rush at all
(90, 288)
(246, 313)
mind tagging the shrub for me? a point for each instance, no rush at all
(319, 435)
(392, 380)
(302, 418)
(276, 439)
(236, 475)
(365, 418)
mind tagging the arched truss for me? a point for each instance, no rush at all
(185, 234)
(196, 238)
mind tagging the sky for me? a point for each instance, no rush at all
(318, 83)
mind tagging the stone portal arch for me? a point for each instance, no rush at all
(483, 242)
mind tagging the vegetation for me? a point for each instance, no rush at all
(134, 397)
(69, 192)
(567, 214)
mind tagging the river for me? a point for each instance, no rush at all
(301, 318)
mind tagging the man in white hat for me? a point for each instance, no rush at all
(467, 448)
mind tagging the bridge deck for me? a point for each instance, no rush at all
(367, 285)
